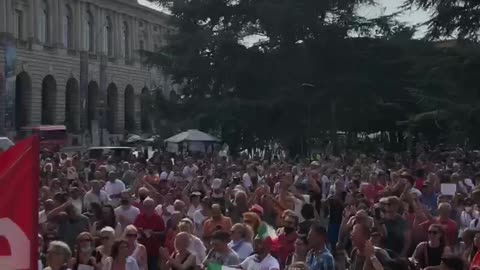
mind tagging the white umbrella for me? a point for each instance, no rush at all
(192, 135)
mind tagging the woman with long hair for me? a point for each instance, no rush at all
(84, 252)
(107, 219)
(241, 242)
(120, 258)
(181, 259)
(135, 249)
(474, 258)
(430, 253)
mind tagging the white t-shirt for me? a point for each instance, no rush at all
(244, 250)
(198, 219)
(91, 197)
(192, 209)
(188, 172)
(166, 176)
(114, 188)
(268, 263)
(325, 187)
(129, 215)
(247, 180)
(165, 216)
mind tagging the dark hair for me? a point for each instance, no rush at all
(318, 228)
(303, 238)
(365, 230)
(103, 222)
(116, 247)
(308, 211)
(221, 236)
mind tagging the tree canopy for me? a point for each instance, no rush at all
(297, 70)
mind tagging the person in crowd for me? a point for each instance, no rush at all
(393, 227)
(135, 249)
(150, 226)
(262, 259)
(319, 257)
(107, 237)
(95, 195)
(241, 242)
(201, 215)
(474, 257)
(126, 213)
(299, 254)
(114, 188)
(196, 246)
(308, 214)
(431, 252)
(120, 258)
(220, 252)
(182, 258)
(84, 253)
(217, 222)
(364, 254)
(58, 256)
(107, 219)
(287, 235)
(451, 228)
(70, 222)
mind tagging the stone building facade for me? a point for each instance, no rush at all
(78, 63)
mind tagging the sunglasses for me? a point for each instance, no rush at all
(131, 235)
(105, 237)
(433, 232)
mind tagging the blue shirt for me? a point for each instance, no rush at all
(322, 260)
(430, 202)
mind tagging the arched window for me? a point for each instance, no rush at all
(44, 23)
(108, 38)
(68, 27)
(90, 30)
(125, 41)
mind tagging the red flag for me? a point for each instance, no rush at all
(19, 188)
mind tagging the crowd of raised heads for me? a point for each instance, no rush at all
(357, 212)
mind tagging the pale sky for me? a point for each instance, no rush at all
(384, 7)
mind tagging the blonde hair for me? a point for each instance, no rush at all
(129, 228)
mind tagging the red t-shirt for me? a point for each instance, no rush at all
(449, 227)
(419, 183)
(154, 223)
(372, 192)
(285, 246)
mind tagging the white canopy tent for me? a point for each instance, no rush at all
(191, 140)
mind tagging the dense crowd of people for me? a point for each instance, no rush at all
(357, 212)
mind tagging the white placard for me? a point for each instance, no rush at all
(448, 189)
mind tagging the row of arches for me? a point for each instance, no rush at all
(98, 105)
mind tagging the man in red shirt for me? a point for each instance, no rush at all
(449, 226)
(150, 226)
(286, 238)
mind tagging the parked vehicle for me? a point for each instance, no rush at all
(52, 137)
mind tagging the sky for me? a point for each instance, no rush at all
(383, 7)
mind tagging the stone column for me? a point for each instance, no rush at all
(3, 16)
(9, 17)
(60, 24)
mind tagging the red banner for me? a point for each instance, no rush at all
(19, 188)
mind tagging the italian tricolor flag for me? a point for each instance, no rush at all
(215, 266)
(266, 231)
